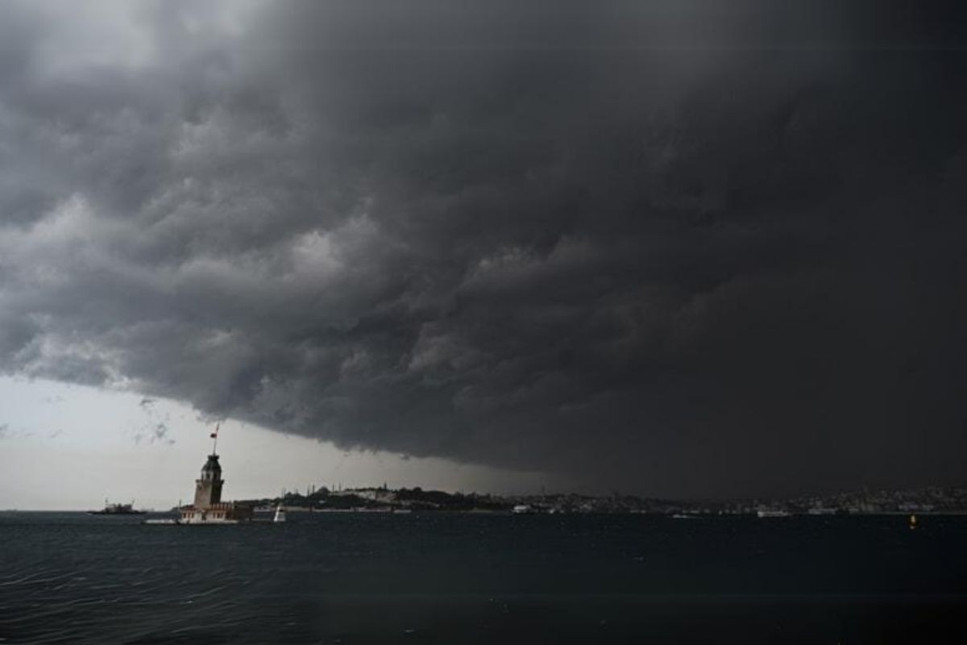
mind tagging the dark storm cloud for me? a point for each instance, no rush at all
(677, 248)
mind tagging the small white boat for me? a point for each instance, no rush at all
(279, 515)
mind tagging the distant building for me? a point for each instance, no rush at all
(209, 507)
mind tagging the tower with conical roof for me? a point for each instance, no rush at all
(209, 507)
(208, 487)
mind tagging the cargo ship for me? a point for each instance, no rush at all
(117, 509)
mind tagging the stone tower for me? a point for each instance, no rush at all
(208, 488)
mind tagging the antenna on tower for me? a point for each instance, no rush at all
(215, 437)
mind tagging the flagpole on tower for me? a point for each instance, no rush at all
(215, 437)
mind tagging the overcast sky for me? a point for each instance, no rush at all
(686, 248)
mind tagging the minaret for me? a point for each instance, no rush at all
(208, 488)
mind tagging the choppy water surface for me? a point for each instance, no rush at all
(453, 578)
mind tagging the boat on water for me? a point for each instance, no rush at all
(771, 513)
(117, 509)
(821, 510)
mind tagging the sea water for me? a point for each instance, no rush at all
(484, 578)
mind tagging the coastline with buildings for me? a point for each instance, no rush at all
(930, 500)
(209, 508)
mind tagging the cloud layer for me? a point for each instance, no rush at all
(673, 248)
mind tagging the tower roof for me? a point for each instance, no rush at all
(212, 465)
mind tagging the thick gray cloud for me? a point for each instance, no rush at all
(687, 248)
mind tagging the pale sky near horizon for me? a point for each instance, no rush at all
(70, 447)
